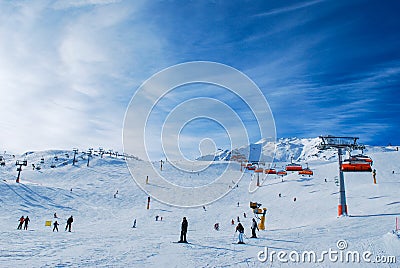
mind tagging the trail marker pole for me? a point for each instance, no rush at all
(342, 207)
(75, 152)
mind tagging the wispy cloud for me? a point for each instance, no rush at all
(289, 8)
(65, 76)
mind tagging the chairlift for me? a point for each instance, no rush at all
(360, 157)
(357, 163)
(259, 170)
(293, 166)
(281, 173)
(306, 171)
(356, 166)
(251, 168)
(270, 171)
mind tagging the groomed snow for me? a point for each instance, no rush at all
(102, 235)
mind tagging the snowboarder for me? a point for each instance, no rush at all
(21, 221)
(254, 227)
(26, 221)
(134, 224)
(240, 229)
(55, 226)
(183, 230)
(69, 223)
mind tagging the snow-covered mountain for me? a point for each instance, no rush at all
(300, 149)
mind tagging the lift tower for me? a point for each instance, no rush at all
(340, 143)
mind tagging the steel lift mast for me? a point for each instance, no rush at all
(340, 143)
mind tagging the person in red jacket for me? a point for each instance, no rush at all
(21, 221)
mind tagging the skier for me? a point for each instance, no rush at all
(69, 222)
(240, 229)
(55, 226)
(134, 224)
(183, 231)
(280, 195)
(253, 229)
(233, 222)
(21, 221)
(294, 199)
(216, 226)
(55, 215)
(204, 208)
(26, 221)
(157, 218)
(244, 214)
(238, 220)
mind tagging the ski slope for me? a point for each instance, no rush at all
(102, 235)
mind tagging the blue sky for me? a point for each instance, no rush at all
(68, 69)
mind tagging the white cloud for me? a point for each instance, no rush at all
(67, 75)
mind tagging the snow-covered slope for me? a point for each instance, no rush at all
(102, 235)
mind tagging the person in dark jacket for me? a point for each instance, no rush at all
(254, 227)
(240, 229)
(183, 230)
(21, 221)
(55, 226)
(26, 221)
(69, 223)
